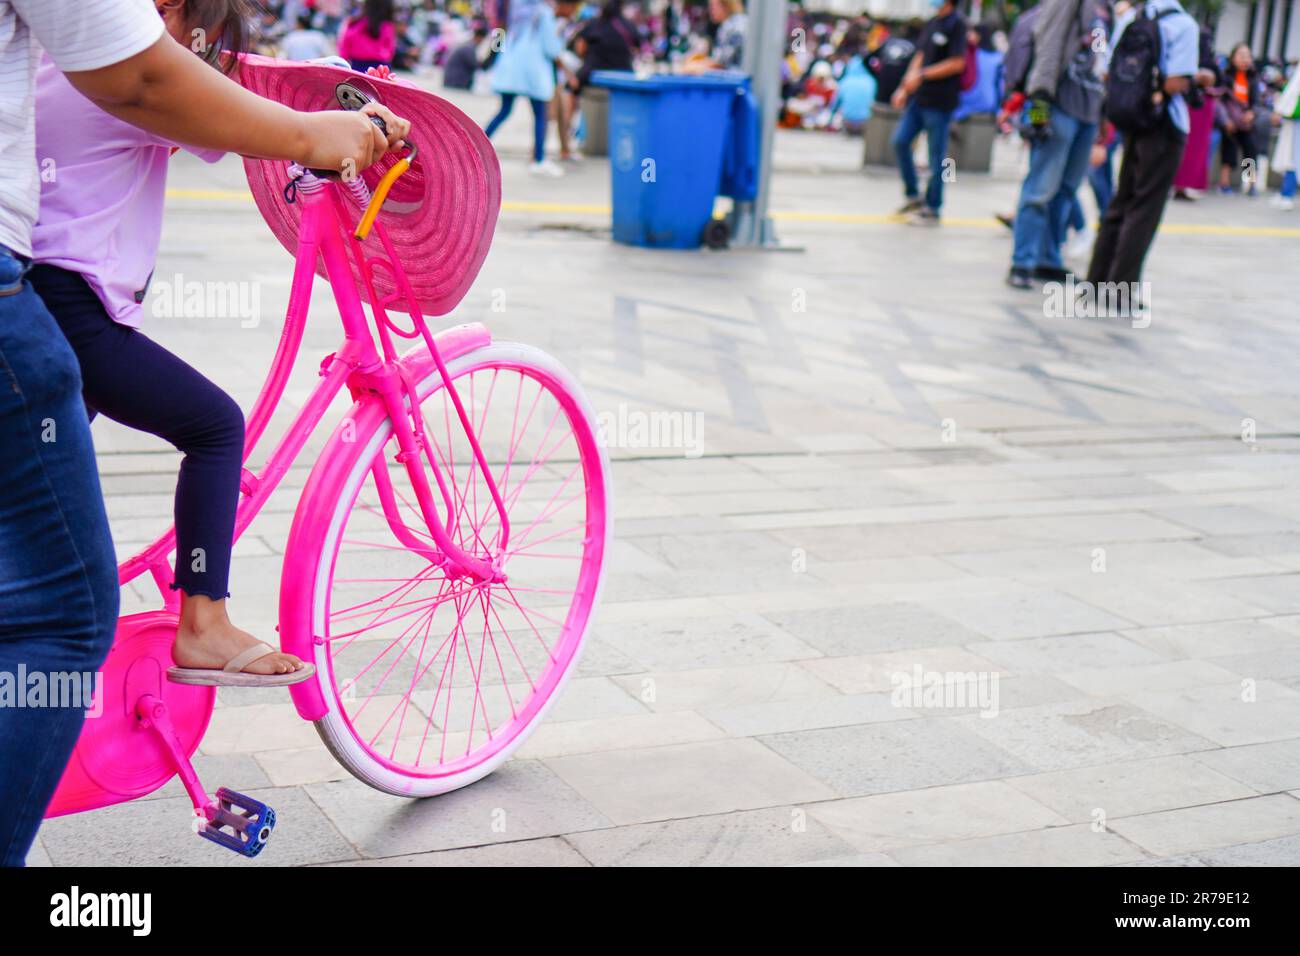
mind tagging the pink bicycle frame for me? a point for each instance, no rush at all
(364, 370)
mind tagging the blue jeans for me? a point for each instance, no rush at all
(539, 123)
(1288, 184)
(1102, 178)
(1056, 168)
(934, 123)
(58, 577)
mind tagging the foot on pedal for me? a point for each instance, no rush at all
(239, 823)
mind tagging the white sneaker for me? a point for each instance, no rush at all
(1081, 244)
(1283, 202)
(546, 167)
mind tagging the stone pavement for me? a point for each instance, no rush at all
(907, 470)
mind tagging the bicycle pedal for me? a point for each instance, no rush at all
(239, 823)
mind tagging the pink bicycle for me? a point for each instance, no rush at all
(445, 556)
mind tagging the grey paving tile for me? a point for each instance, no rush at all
(722, 687)
(548, 851)
(521, 801)
(1284, 851)
(1171, 675)
(1031, 614)
(781, 836)
(1151, 601)
(1220, 639)
(808, 713)
(1066, 652)
(847, 631)
(1269, 768)
(660, 783)
(903, 755)
(1187, 830)
(875, 673)
(690, 644)
(891, 821)
(856, 860)
(1130, 787)
(1058, 846)
(1081, 733)
(1279, 593)
(1229, 714)
(1229, 520)
(633, 731)
(236, 771)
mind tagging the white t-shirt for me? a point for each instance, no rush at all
(78, 36)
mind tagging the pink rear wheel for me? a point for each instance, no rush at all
(431, 680)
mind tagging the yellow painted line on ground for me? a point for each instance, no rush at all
(791, 215)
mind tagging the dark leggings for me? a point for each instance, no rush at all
(539, 123)
(1235, 147)
(137, 382)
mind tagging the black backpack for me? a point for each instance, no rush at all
(1135, 97)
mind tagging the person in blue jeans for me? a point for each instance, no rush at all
(58, 576)
(1061, 116)
(928, 95)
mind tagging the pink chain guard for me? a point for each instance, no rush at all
(116, 759)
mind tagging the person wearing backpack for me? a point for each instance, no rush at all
(1154, 55)
(1064, 95)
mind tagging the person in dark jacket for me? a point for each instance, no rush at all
(606, 42)
(1238, 148)
(463, 62)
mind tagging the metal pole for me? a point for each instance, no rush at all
(764, 49)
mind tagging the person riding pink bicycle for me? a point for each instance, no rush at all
(446, 552)
(95, 244)
(57, 570)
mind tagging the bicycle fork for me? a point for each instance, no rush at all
(414, 450)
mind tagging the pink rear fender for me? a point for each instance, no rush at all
(317, 504)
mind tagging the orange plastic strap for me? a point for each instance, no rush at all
(381, 193)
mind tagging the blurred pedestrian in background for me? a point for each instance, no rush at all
(1237, 148)
(889, 63)
(1287, 152)
(985, 92)
(930, 91)
(854, 97)
(728, 48)
(1153, 148)
(370, 39)
(605, 42)
(1193, 173)
(526, 67)
(563, 102)
(305, 42)
(331, 17)
(463, 61)
(1064, 91)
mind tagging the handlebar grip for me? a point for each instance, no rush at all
(333, 173)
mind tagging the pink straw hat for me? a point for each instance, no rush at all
(440, 215)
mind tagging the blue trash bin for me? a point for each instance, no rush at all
(667, 139)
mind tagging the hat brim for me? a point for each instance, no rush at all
(440, 215)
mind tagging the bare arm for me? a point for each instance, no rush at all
(952, 66)
(914, 68)
(1177, 84)
(170, 92)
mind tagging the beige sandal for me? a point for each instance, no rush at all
(232, 675)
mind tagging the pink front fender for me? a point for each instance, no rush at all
(316, 507)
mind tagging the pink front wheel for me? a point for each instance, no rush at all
(431, 680)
